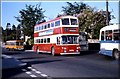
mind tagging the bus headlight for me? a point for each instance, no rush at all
(78, 47)
(76, 50)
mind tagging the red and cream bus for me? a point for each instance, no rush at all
(58, 36)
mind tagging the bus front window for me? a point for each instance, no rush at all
(65, 21)
(69, 39)
(73, 21)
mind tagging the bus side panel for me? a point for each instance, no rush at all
(106, 52)
(58, 48)
(44, 47)
(106, 47)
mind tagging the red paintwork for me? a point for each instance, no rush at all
(48, 21)
(58, 48)
(60, 30)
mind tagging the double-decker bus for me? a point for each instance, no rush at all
(110, 41)
(58, 36)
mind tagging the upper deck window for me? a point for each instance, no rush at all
(73, 21)
(65, 21)
(48, 25)
(52, 24)
(57, 23)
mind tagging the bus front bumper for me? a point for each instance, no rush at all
(69, 53)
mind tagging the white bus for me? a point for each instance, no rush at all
(110, 41)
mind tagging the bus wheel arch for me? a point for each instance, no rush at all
(115, 54)
(53, 50)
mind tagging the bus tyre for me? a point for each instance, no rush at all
(53, 51)
(116, 54)
(37, 50)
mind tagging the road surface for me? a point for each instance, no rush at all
(88, 64)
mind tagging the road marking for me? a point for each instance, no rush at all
(33, 75)
(29, 67)
(24, 70)
(44, 75)
(33, 69)
(28, 72)
(38, 72)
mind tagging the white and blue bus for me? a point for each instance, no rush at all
(110, 41)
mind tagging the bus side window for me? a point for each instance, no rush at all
(116, 35)
(58, 40)
(41, 40)
(102, 35)
(109, 35)
(52, 24)
(44, 40)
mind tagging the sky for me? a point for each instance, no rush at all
(11, 9)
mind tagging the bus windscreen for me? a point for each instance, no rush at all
(67, 39)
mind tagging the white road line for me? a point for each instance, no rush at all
(28, 72)
(33, 69)
(44, 75)
(38, 72)
(24, 70)
(29, 67)
(33, 75)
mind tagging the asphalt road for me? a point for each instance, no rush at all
(88, 64)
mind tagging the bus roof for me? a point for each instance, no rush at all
(68, 16)
(15, 41)
(110, 27)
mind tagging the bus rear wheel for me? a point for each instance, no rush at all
(53, 51)
(37, 50)
(116, 54)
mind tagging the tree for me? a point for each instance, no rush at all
(28, 18)
(13, 33)
(91, 22)
(75, 8)
(1, 30)
(18, 32)
(8, 31)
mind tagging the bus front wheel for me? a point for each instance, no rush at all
(116, 54)
(53, 51)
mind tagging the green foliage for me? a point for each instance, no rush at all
(28, 18)
(93, 21)
(74, 8)
(90, 20)
(11, 33)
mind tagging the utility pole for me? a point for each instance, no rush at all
(107, 22)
